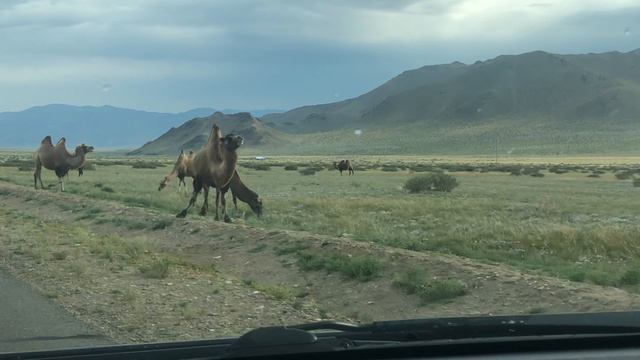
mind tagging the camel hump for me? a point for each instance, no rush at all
(46, 140)
(62, 141)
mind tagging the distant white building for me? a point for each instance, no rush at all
(261, 158)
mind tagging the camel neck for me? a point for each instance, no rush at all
(230, 161)
(76, 161)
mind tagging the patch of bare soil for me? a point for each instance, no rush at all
(256, 256)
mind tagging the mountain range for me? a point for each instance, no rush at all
(194, 133)
(561, 88)
(105, 127)
(531, 103)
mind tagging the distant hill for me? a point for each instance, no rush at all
(101, 126)
(193, 134)
(558, 88)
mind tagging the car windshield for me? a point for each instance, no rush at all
(194, 170)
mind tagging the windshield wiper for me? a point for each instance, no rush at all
(334, 336)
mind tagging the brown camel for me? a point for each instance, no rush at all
(240, 191)
(343, 166)
(182, 169)
(214, 166)
(58, 159)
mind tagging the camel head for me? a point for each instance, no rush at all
(232, 142)
(163, 183)
(84, 149)
(256, 206)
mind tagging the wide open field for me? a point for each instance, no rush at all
(498, 243)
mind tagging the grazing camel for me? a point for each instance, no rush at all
(344, 165)
(240, 191)
(182, 169)
(214, 166)
(58, 159)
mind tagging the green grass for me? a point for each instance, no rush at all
(361, 268)
(563, 224)
(156, 269)
(277, 292)
(416, 281)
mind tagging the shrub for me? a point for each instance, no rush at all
(625, 175)
(415, 282)
(261, 167)
(389, 168)
(531, 171)
(146, 165)
(307, 171)
(432, 182)
(158, 269)
(361, 268)
(537, 174)
(630, 277)
(290, 167)
(636, 182)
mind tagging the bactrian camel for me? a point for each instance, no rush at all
(58, 159)
(343, 166)
(214, 166)
(182, 169)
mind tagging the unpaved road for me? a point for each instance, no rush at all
(240, 253)
(30, 321)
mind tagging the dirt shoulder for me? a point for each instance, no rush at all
(226, 278)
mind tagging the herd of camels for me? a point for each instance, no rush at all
(213, 166)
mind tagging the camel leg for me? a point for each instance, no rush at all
(217, 203)
(40, 178)
(182, 182)
(205, 205)
(61, 182)
(37, 175)
(197, 186)
(223, 201)
(235, 200)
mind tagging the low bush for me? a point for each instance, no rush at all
(432, 182)
(307, 171)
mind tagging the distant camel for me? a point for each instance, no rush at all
(58, 159)
(215, 164)
(182, 169)
(343, 166)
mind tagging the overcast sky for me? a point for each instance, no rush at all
(170, 55)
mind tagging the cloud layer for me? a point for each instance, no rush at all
(167, 55)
